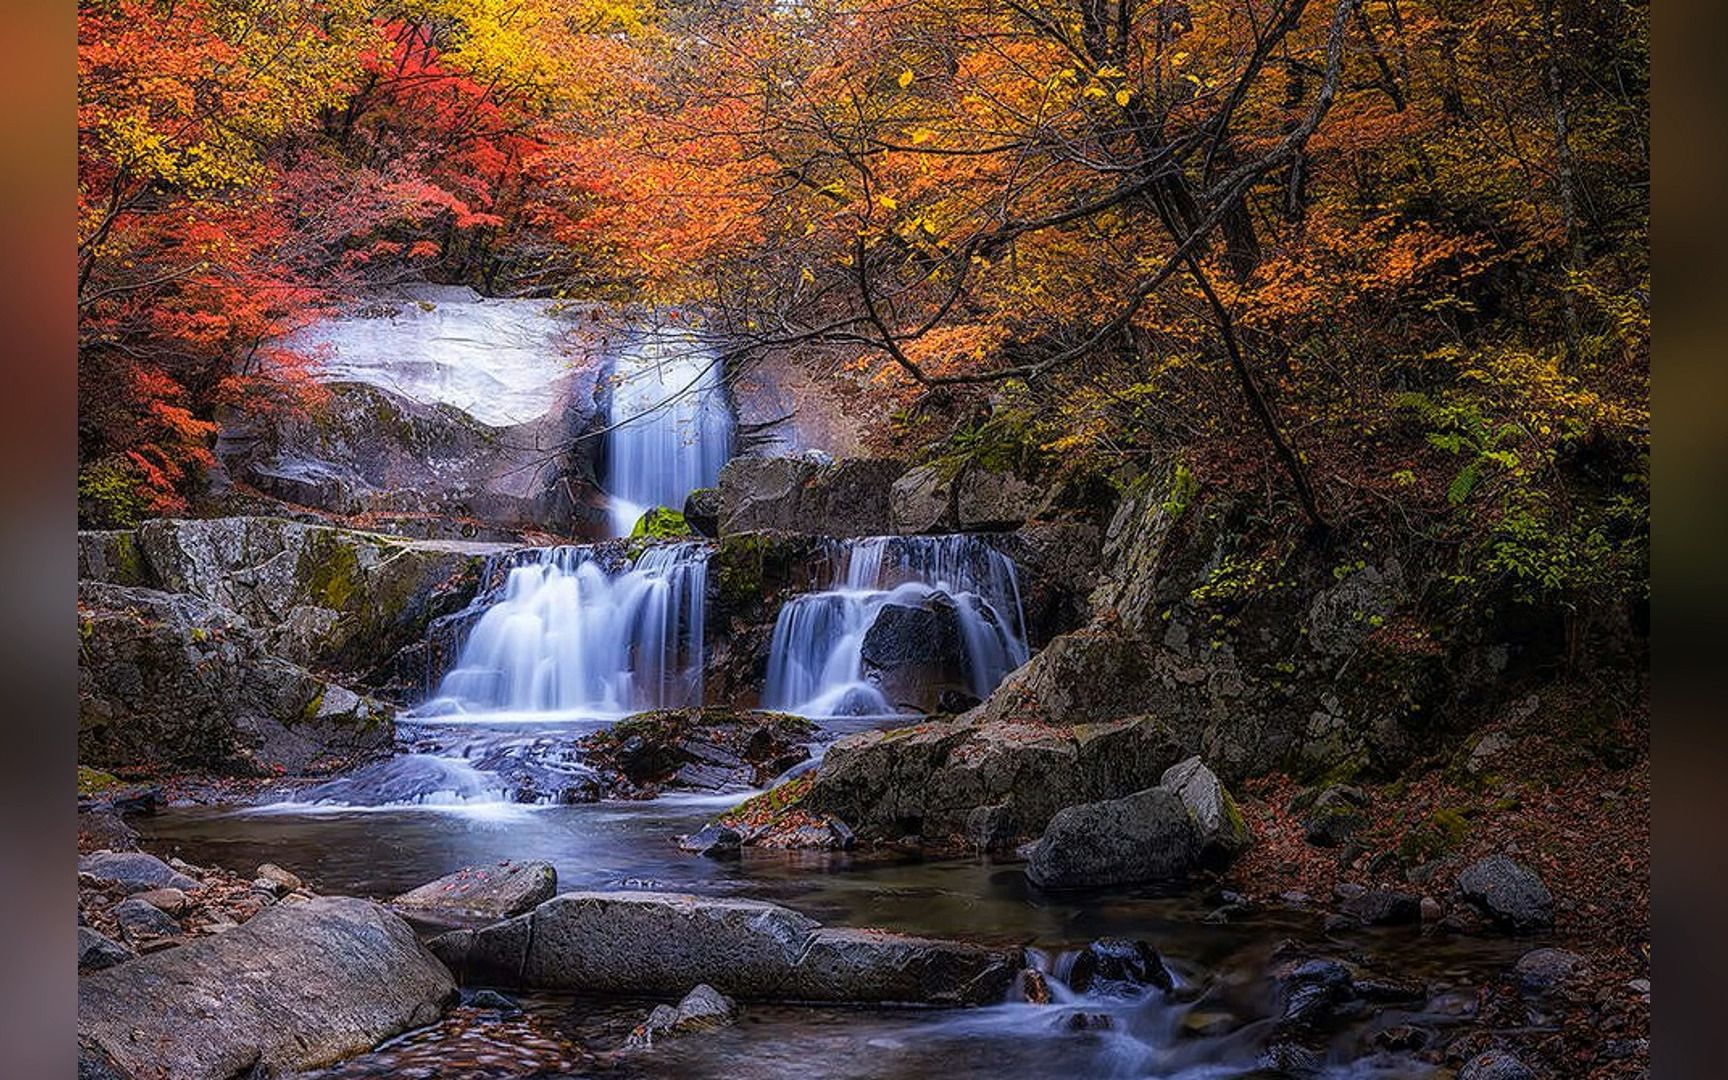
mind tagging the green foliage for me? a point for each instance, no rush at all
(1545, 558)
(660, 523)
(111, 495)
(1183, 488)
(1460, 428)
(1441, 832)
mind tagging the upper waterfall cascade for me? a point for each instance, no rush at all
(670, 428)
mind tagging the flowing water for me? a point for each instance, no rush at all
(670, 428)
(570, 634)
(817, 663)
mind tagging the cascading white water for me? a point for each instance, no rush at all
(671, 428)
(816, 657)
(565, 635)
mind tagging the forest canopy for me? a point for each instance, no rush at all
(1381, 261)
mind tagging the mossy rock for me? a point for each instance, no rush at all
(93, 782)
(662, 523)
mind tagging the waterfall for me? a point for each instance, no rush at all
(817, 663)
(567, 634)
(670, 425)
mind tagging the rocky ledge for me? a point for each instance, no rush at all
(662, 943)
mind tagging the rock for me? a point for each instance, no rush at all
(656, 943)
(336, 599)
(875, 965)
(1543, 971)
(838, 498)
(1085, 1021)
(715, 841)
(1384, 907)
(702, 511)
(1316, 993)
(1147, 836)
(496, 892)
(1495, 1065)
(172, 901)
(140, 920)
(930, 778)
(1509, 894)
(661, 523)
(1034, 987)
(1432, 911)
(284, 881)
(989, 499)
(709, 749)
(491, 999)
(920, 501)
(96, 951)
(702, 1009)
(1334, 816)
(991, 828)
(915, 654)
(294, 988)
(1118, 965)
(1217, 822)
(104, 830)
(171, 680)
(134, 871)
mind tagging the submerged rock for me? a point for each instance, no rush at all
(497, 892)
(1508, 893)
(656, 943)
(297, 987)
(1146, 836)
(702, 1009)
(713, 840)
(1120, 965)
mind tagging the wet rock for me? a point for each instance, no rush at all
(140, 920)
(1034, 988)
(323, 980)
(491, 999)
(709, 749)
(1383, 907)
(1118, 965)
(702, 1009)
(702, 511)
(1543, 971)
(1316, 994)
(96, 951)
(1431, 910)
(656, 943)
(915, 653)
(1088, 1021)
(1147, 836)
(841, 498)
(134, 871)
(1283, 1060)
(1334, 816)
(715, 841)
(496, 892)
(1508, 893)
(1399, 1039)
(931, 499)
(1218, 823)
(1495, 1065)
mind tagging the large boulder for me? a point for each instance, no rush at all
(932, 779)
(912, 653)
(1217, 822)
(939, 498)
(1508, 893)
(298, 987)
(848, 497)
(496, 892)
(173, 680)
(697, 750)
(659, 943)
(1145, 837)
